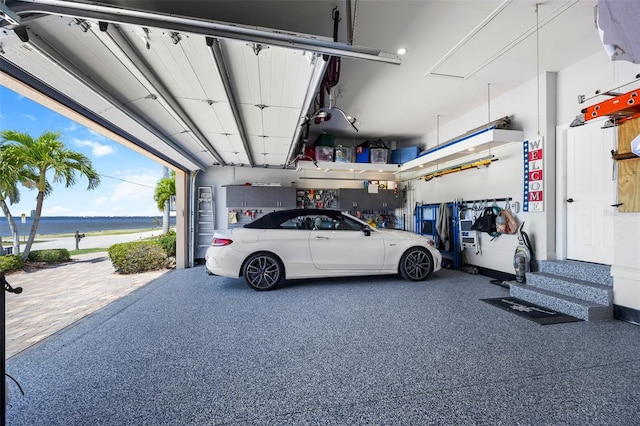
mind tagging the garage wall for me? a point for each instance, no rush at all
(503, 178)
(596, 72)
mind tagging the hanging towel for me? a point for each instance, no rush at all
(442, 225)
(233, 217)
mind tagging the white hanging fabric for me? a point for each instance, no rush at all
(618, 26)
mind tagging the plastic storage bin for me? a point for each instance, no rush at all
(402, 155)
(362, 154)
(379, 155)
(324, 153)
(325, 139)
(343, 154)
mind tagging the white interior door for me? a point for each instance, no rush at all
(590, 193)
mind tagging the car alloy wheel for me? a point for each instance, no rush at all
(416, 264)
(263, 271)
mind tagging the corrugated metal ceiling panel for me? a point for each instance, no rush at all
(230, 147)
(164, 89)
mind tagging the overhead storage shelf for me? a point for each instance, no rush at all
(347, 167)
(459, 148)
(465, 146)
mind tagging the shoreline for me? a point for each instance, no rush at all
(23, 238)
(104, 239)
(67, 226)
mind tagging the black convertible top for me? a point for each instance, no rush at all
(274, 219)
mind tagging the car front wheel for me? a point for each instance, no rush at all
(416, 264)
(263, 271)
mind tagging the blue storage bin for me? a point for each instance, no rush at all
(362, 154)
(402, 155)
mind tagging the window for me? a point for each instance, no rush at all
(298, 222)
(322, 223)
(348, 224)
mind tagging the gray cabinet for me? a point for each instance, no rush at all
(388, 199)
(261, 196)
(276, 196)
(236, 196)
(353, 199)
(361, 199)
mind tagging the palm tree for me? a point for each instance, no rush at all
(11, 173)
(47, 154)
(165, 189)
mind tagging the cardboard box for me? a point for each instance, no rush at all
(379, 155)
(324, 153)
(402, 155)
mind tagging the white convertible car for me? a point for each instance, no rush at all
(312, 243)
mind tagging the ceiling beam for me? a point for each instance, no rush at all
(312, 91)
(205, 27)
(218, 59)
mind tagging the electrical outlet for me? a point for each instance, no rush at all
(514, 206)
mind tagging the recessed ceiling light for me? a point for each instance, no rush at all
(471, 149)
(402, 51)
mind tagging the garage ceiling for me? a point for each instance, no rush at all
(208, 83)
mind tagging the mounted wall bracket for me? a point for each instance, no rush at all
(8, 15)
(619, 108)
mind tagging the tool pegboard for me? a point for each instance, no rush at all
(240, 217)
(317, 199)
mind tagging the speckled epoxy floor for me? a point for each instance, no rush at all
(199, 350)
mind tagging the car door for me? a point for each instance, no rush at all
(290, 241)
(345, 247)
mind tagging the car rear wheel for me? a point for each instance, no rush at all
(263, 271)
(416, 264)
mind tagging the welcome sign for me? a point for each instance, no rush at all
(533, 176)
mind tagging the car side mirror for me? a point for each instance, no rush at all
(366, 232)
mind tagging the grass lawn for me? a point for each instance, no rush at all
(85, 251)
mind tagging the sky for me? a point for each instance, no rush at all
(127, 178)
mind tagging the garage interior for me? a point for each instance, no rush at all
(243, 98)
(256, 111)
